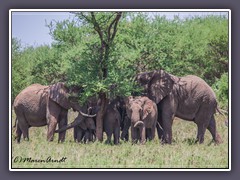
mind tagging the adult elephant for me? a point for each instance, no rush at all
(39, 105)
(188, 97)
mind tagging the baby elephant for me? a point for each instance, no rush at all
(85, 131)
(111, 123)
(143, 114)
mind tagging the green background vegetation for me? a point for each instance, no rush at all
(197, 46)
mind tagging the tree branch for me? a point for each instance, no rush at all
(119, 14)
(97, 27)
(110, 27)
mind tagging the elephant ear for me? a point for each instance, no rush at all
(59, 94)
(147, 107)
(160, 85)
(128, 100)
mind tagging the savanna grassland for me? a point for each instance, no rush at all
(183, 153)
(101, 53)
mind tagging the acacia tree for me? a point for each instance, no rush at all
(105, 25)
(91, 54)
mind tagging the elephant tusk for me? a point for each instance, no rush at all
(139, 123)
(87, 115)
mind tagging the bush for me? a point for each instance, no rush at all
(221, 89)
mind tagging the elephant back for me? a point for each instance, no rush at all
(198, 89)
(34, 92)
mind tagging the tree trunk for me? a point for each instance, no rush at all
(100, 114)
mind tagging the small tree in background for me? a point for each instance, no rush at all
(90, 62)
(105, 24)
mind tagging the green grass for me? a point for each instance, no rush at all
(183, 153)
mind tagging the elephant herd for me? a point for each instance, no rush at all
(164, 97)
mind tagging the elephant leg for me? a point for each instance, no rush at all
(212, 128)
(80, 135)
(160, 132)
(159, 124)
(93, 135)
(53, 112)
(148, 134)
(18, 133)
(22, 126)
(25, 130)
(167, 114)
(167, 133)
(125, 128)
(87, 136)
(203, 119)
(142, 135)
(108, 141)
(90, 136)
(153, 131)
(127, 136)
(63, 122)
(116, 135)
(51, 128)
(134, 134)
(200, 133)
(75, 133)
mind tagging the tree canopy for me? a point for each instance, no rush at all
(135, 41)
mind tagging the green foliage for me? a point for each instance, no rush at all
(221, 88)
(48, 68)
(21, 67)
(197, 45)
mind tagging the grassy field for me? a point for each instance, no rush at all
(183, 153)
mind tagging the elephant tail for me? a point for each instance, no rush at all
(138, 124)
(15, 124)
(223, 112)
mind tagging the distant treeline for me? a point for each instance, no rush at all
(197, 46)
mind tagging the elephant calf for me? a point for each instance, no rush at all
(111, 123)
(143, 114)
(85, 131)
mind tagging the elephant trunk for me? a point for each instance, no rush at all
(69, 126)
(138, 124)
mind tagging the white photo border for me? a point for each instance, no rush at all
(126, 10)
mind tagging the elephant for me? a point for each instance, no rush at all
(189, 98)
(125, 125)
(111, 123)
(38, 105)
(143, 114)
(119, 104)
(85, 131)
